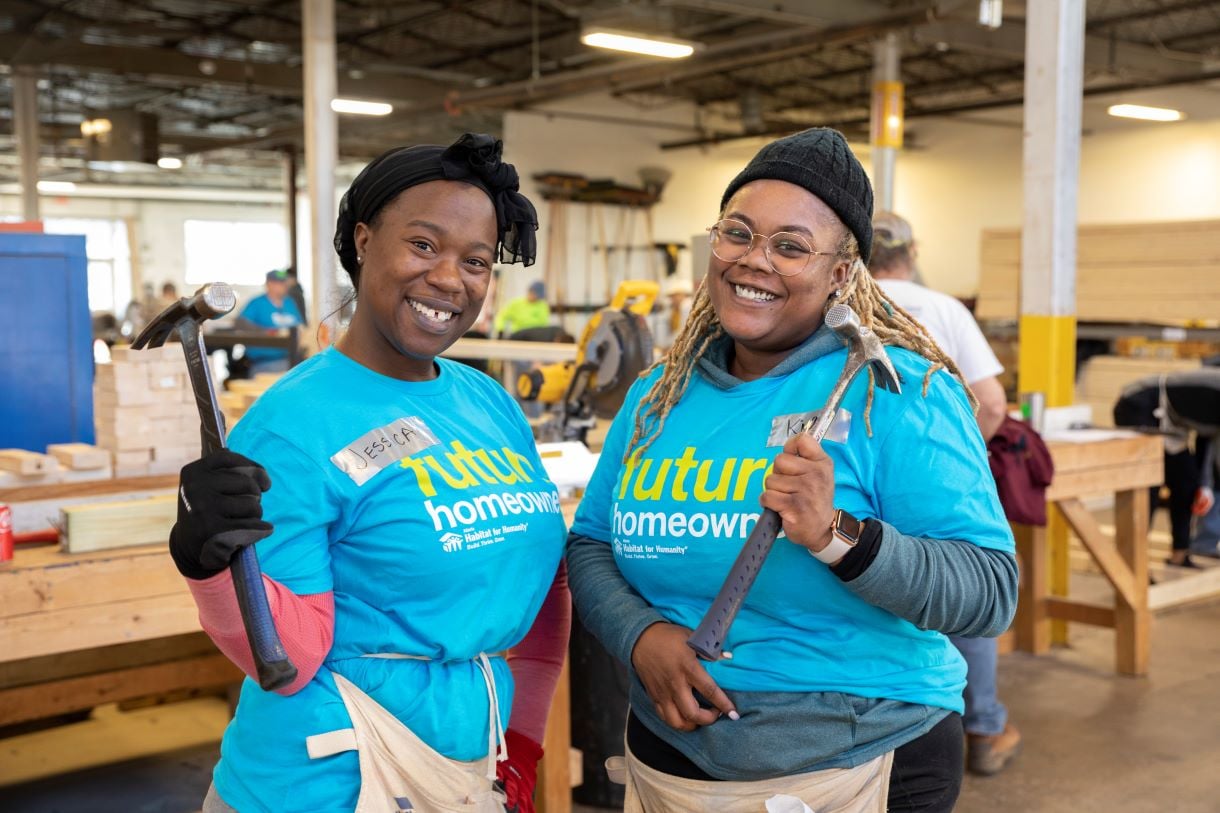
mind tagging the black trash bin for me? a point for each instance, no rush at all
(599, 716)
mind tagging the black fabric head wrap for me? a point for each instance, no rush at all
(474, 159)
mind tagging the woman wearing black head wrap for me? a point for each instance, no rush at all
(409, 529)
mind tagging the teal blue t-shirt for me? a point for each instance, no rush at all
(262, 311)
(444, 551)
(677, 518)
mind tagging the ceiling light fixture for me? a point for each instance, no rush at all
(95, 127)
(361, 108)
(53, 187)
(636, 43)
(169, 162)
(1145, 113)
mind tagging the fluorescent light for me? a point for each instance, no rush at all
(169, 162)
(1139, 111)
(361, 108)
(95, 127)
(56, 186)
(637, 43)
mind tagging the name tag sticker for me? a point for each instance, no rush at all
(786, 426)
(381, 448)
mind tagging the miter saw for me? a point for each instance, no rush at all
(615, 347)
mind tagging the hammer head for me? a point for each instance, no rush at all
(863, 346)
(210, 302)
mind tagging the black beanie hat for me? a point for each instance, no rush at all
(820, 161)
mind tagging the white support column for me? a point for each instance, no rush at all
(321, 151)
(25, 126)
(1054, 66)
(886, 138)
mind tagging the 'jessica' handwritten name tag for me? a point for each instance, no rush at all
(373, 451)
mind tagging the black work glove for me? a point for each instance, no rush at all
(220, 511)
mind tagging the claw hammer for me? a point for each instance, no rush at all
(864, 350)
(184, 318)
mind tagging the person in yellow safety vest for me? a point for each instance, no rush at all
(523, 312)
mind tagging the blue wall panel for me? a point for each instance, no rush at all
(46, 341)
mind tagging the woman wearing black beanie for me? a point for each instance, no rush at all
(842, 692)
(408, 532)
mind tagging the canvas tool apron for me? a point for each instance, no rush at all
(863, 789)
(399, 772)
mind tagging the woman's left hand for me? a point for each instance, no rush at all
(801, 489)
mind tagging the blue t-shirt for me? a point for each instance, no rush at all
(262, 311)
(444, 551)
(677, 518)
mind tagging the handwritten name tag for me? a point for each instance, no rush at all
(373, 451)
(785, 426)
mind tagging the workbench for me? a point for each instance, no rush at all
(1125, 466)
(80, 630)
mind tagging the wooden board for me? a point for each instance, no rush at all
(71, 694)
(121, 523)
(26, 463)
(1116, 267)
(79, 455)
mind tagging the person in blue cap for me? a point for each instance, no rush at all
(272, 310)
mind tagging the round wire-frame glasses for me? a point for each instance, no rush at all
(787, 253)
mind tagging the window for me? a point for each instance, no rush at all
(239, 253)
(109, 255)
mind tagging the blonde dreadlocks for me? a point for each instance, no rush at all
(878, 312)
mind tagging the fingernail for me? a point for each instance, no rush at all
(733, 715)
(728, 656)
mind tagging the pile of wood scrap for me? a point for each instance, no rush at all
(62, 463)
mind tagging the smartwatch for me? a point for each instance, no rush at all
(845, 532)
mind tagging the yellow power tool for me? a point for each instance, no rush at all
(615, 347)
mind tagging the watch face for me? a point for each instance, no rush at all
(848, 526)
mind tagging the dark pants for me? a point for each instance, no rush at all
(1182, 480)
(927, 772)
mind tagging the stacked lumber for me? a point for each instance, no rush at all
(1104, 377)
(145, 412)
(241, 393)
(1159, 273)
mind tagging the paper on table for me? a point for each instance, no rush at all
(1088, 435)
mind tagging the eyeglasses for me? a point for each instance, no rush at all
(787, 253)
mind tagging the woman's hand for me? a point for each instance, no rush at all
(671, 673)
(220, 511)
(801, 489)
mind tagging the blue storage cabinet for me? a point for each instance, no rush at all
(46, 341)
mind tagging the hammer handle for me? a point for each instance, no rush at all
(270, 660)
(708, 639)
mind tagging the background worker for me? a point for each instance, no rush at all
(394, 558)
(524, 312)
(991, 740)
(841, 690)
(270, 311)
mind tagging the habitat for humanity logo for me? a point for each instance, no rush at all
(451, 542)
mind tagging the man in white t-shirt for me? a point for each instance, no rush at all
(992, 741)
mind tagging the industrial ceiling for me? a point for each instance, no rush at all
(223, 80)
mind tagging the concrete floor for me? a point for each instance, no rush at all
(1094, 741)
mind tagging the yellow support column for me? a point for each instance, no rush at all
(1046, 363)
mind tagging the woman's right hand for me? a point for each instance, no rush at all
(220, 511)
(671, 673)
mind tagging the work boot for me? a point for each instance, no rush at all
(988, 754)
